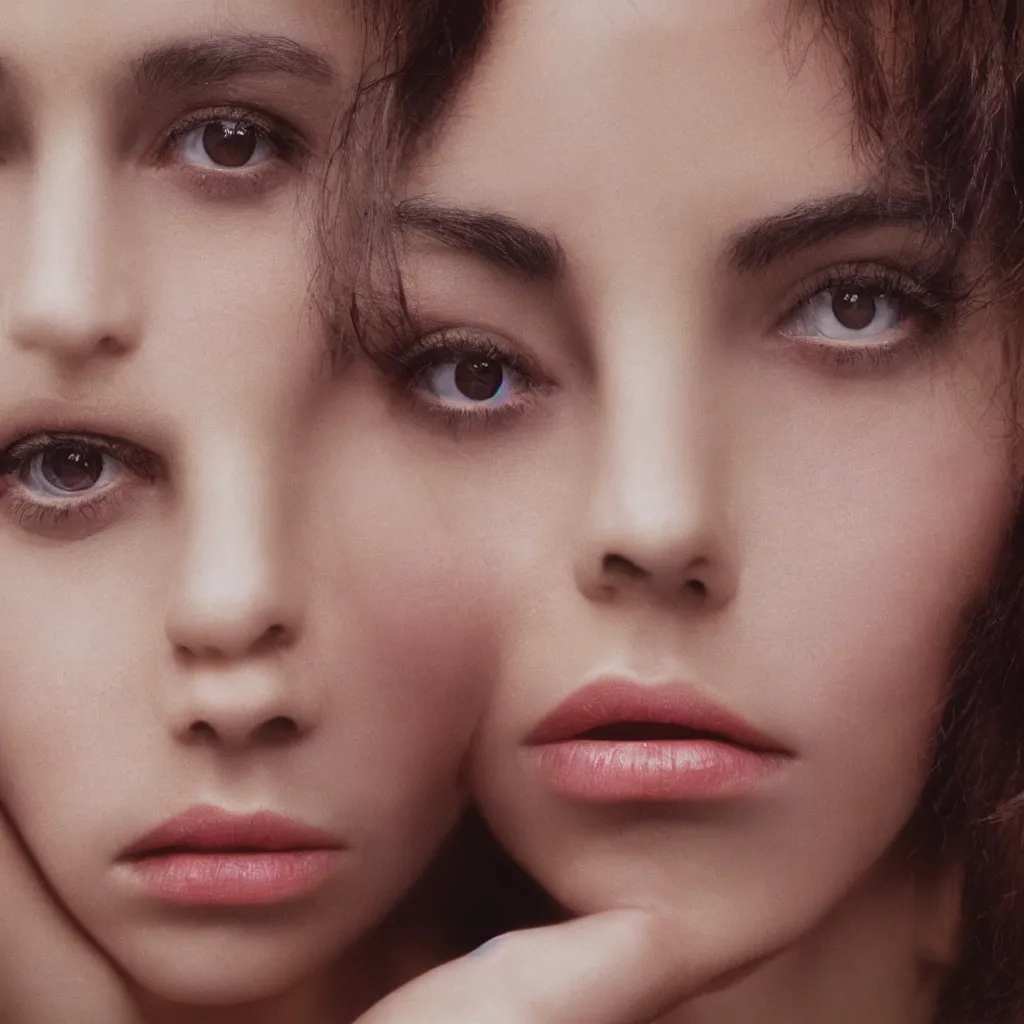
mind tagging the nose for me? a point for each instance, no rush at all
(237, 607)
(70, 297)
(656, 524)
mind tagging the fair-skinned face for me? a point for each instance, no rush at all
(735, 438)
(201, 557)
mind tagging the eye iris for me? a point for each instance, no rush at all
(230, 143)
(479, 379)
(854, 310)
(71, 469)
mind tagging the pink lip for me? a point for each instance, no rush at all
(613, 741)
(209, 856)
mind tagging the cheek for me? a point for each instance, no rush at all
(858, 579)
(77, 650)
(414, 609)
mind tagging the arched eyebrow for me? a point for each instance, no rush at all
(763, 242)
(501, 241)
(512, 245)
(187, 64)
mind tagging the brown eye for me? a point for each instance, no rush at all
(226, 144)
(230, 143)
(71, 468)
(479, 379)
(854, 309)
(847, 313)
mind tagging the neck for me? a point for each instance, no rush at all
(882, 956)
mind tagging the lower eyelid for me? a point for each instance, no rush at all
(75, 518)
(251, 183)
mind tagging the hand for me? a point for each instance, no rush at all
(50, 973)
(616, 967)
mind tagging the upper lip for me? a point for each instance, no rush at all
(611, 702)
(211, 829)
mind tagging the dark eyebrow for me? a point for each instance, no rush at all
(761, 243)
(512, 245)
(189, 63)
(499, 240)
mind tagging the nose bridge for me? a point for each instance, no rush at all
(69, 296)
(236, 607)
(236, 592)
(656, 513)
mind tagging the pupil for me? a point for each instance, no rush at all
(71, 469)
(854, 310)
(479, 379)
(230, 143)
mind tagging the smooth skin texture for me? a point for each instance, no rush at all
(739, 434)
(204, 568)
(680, 428)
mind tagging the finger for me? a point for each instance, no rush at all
(617, 967)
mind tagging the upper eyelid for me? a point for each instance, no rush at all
(451, 341)
(133, 457)
(211, 115)
(189, 122)
(874, 274)
(288, 139)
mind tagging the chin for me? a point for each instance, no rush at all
(218, 964)
(737, 901)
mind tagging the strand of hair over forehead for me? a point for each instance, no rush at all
(936, 86)
(423, 49)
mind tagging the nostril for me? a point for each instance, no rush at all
(697, 589)
(619, 565)
(278, 730)
(202, 732)
(272, 638)
(113, 345)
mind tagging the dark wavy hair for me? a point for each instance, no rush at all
(417, 54)
(936, 87)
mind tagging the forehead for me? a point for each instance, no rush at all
(85, 43)
(652, 110)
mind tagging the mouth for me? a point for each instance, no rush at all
(208, 856)
(618, 741)
(641, 732)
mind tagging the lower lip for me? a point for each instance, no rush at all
(651, 771)
(234, 879)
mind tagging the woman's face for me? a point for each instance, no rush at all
(215, 604)
(743, 454)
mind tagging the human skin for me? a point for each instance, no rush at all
(711, 469)
(211, 593)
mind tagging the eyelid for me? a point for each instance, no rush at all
(19, 454)
(78, 515)
(431, 349)
(290, 144)
(406, 362)
(935, 292)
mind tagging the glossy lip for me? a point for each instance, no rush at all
(209, 856)
(725, 757)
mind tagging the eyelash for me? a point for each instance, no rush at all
(933, 294)
(16, 461)
(408, 363)
(290, 148)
